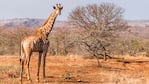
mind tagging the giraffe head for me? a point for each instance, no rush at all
(58, 8)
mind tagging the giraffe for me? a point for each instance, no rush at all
(38, 42)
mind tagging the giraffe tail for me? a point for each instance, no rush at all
(21, 53)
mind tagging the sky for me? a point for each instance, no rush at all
(9, 9)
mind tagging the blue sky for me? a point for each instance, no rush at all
(9, 9)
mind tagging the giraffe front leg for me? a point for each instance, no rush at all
(44, 63)
(39, 63)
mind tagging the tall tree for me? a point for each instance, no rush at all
(99, 26)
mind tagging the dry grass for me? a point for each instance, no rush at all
(75, 69)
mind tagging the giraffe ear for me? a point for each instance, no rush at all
(53, 7)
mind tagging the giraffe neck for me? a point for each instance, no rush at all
(46, 28)
(50, 21)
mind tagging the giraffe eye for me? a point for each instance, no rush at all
(54, 7)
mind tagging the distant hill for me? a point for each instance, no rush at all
(138, 23)
(26, 22)
(29, 22)
(139, 27)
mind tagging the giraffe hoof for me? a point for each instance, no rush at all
(44, 80)
(20, 78)
(37, 80)
(30, 81)
(28, 78)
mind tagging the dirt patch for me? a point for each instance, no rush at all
(72, 70)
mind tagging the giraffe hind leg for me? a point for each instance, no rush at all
(22, 68)
(28, 56)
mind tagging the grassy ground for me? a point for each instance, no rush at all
(75, 69)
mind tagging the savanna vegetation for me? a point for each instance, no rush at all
(96, 30)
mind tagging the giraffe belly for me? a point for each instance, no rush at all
(39, 46)
(34, 44)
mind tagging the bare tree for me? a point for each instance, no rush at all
(61, 41)
(100, 25)
(9, 37)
